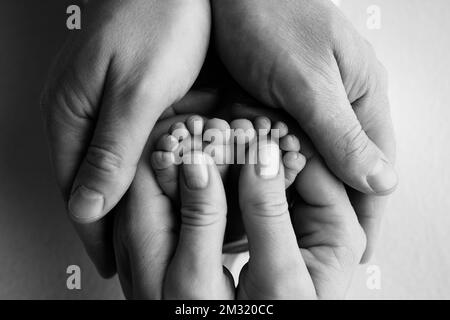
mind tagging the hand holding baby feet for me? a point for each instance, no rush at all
(227, 144)
(309, 251)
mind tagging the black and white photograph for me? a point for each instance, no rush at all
(225, 150)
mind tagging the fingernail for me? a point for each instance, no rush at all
(268, 160)
(86, 205)
(196, 173)
(383, 177)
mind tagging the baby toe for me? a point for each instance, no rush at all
(243, 131)
(166, 172)
(167, 142)
(279, 130)
(161, 160)
(191, 143)
(179, 131)
(262, 125)
(290, 143)
(195, 125)
(217, 137)
(294, 162)
(217, 131)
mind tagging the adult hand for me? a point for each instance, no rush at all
(305, 57)
(309, 254)
(160, 256)
(112, 80)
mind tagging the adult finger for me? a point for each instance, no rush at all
(146, 228)
(145, 237)
(324, 111)
(373, 112)
(68, 104)
(133, 99)
(196, 270)
(103, 102)
(276, 269)
(329, 235)
(96, 158)
(303, 72)
(369, 208)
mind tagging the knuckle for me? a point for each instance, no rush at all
(201, 214)
(319, 92)
(65, 101)
(71, 95)
(353, 144)
(269, 205)
(104, 159)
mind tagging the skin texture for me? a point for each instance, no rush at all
(310, 252)
(330, 238)
(111, 82)
(305, 57)
(132, 60)
(162, 256)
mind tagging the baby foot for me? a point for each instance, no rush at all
(262, 130)
(211, 136)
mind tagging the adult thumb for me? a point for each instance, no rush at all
(110, 162)
(326, 115)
